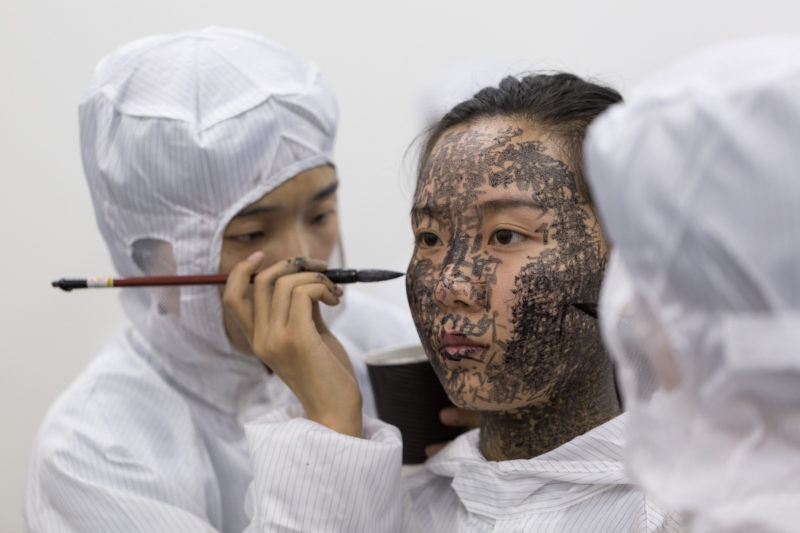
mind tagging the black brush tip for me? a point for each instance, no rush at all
(377, 275)
(588, 308)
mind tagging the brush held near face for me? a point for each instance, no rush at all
(337, 275)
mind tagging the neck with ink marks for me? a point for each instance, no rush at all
(584, 403)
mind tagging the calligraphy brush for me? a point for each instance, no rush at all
(337, 275)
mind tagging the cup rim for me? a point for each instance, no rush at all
(397, 355)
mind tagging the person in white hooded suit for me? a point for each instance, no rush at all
(200, 149)
(697, 183)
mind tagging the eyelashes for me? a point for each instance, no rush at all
(245, 238)
(427, 239)
(506, 237)
(500, 237)
(322, 218)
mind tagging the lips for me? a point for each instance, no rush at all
(455, 347)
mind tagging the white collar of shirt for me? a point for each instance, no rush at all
(576, 470)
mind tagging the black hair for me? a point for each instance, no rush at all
(562, 103)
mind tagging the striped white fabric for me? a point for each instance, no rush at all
(131, 447)
(324, 481)
(696, 180)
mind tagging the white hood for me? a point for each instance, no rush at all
(178, 133)
(697, 180)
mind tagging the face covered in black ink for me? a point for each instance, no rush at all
(505, 244)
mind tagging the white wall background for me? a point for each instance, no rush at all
(377, 55)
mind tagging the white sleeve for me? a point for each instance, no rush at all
(88, 487)
(307, 477)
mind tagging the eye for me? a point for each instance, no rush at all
(426, 239)
(504, 237)
(246, 237)
(322, 217)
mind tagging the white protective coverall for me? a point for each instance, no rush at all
(323, 480)
(697, 179)
(178, 133)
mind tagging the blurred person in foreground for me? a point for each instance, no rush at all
(697, 180)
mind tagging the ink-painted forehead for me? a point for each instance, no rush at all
(493, 154)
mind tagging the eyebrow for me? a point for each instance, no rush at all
(489, 206)
(424, 210)
(492, 206)
(258, 210)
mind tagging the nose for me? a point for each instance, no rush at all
(456, 288)
(295, 242)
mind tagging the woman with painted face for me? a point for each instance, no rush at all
(508, 254)
(201, 149)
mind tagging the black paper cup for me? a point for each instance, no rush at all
(408, 395)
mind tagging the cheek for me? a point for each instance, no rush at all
(503, 294)
(535, 306)
(323, 248)
(323, 241)
(232, 254)
(227, 259)
(419, 290)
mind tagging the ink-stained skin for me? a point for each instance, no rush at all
(505, 244)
